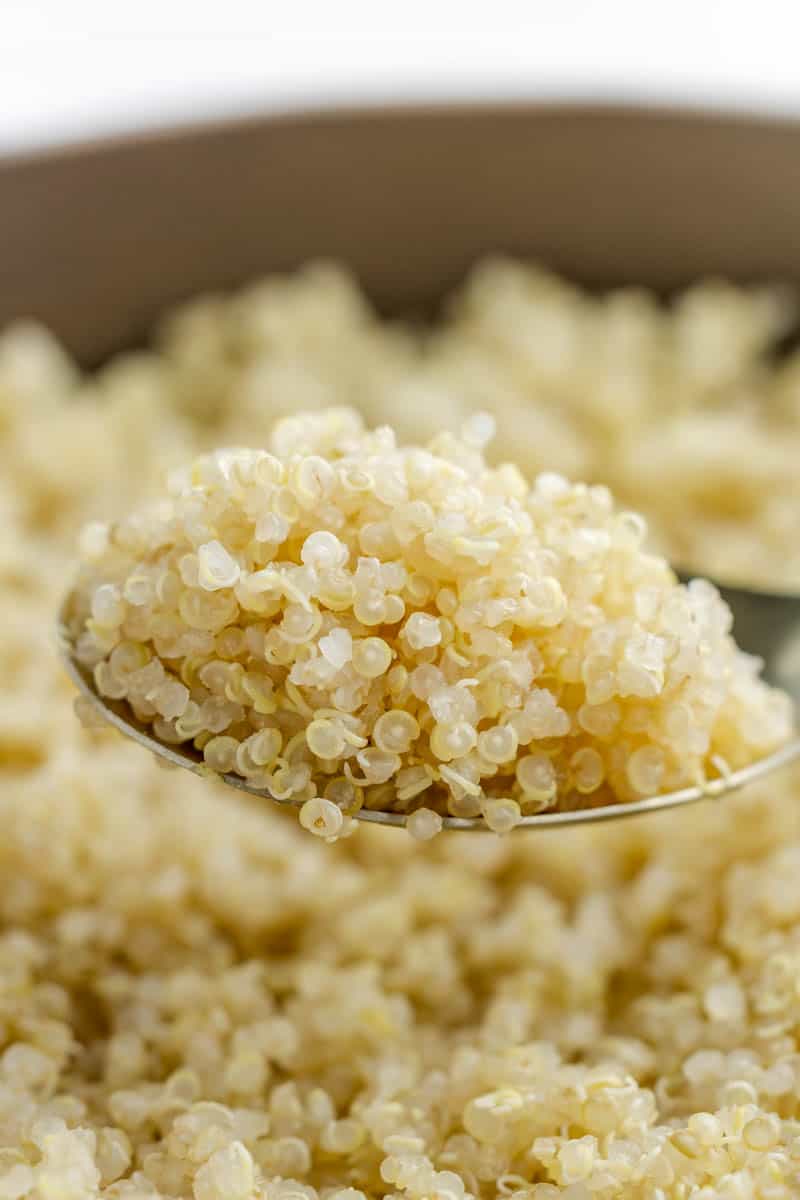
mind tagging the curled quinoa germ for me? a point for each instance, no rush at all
(344, 621)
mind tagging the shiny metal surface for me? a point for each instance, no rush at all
(765, 624)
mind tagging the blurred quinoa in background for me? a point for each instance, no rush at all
(197, 1000)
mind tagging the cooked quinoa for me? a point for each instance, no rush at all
(199, 1001)
(346, 622)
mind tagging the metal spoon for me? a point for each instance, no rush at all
(766, 624)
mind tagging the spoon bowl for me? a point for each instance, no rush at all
(767, 625)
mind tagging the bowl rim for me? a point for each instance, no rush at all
(593, 103)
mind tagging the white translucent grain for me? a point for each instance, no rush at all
(220, 753)
(321, 817)
(536, 776)
(501, 814)
(170, 699)
(108, 684)
(422, 631)
(588, 770)
(453, 741)
(229, 1174)
(311, 479)
(498, 745)
(646, 770)
(725, 1001)
(372, 657)
(108, 607)
(337, 647)
(424, 824)
(395, 731)
(379, 766)
(216, 568)
(326, 738)
(323, 550)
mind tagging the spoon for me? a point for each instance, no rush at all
(767, 625)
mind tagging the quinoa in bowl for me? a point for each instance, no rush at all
(200, 1001)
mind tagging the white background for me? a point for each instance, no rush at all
(77, 68)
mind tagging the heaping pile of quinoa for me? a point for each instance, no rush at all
(199, 1001)
(348, 623)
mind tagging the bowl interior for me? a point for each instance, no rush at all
(96, 240)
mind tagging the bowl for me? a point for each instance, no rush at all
(96, 239)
